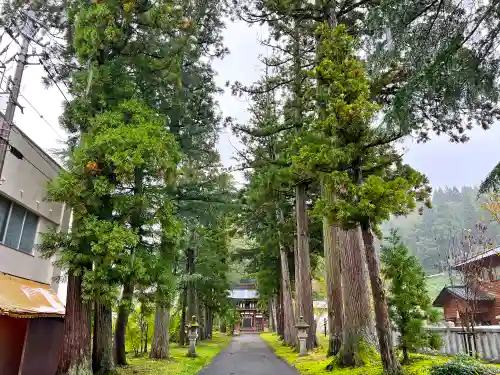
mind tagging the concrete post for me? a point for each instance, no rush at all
(302, 327)
(192, 336)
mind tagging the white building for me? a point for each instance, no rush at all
(31, 315)
(25, 211)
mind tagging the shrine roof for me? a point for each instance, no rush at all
(243, 294)
(463, 293)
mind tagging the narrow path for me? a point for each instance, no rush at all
(248, 355)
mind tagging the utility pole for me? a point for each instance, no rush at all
(28, 32)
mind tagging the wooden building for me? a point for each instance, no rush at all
(479, 296)
(245, 298)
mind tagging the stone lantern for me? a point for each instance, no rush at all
(192, 336)
(302, 327)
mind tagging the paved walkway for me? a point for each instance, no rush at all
(248, 355)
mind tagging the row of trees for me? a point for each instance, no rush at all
(152, 208)
(345, 81)
(149, 196)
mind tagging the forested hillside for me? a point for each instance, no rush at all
(429, 235)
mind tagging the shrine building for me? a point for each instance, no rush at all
(245, 298)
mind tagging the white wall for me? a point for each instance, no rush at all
(26, 184)
(487, 340)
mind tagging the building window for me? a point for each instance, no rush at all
(18, 226)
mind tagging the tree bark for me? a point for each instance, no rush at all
(182, 333)
(191, 293)
(289, 330)
(102, 348)
(121, 324)
(305, 298)
(406, 359)
(382, 322)
(298, 305)
(201, 318)
(289, 334)
(160, 345)
(279, 308)
(332, 246)
(272, 315)
(210, 322)
(75, 358)
(146, 338)
(357, 313)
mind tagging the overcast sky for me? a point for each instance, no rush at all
(444, 163)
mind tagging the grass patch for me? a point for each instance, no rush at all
(316, 362)
(181, 364)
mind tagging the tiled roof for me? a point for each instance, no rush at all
(469, 294)
(481, 256)
(464, 293)
(243, 294)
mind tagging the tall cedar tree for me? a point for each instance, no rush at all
(363, 171)
(175, 78)
(449, 78)
(287, 73)
(113, 182)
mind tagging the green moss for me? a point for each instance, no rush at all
(181, 364)
(364, 354)
(84, 368)
(316, 362)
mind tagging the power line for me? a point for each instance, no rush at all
(41, 116)
(34, 166)
(18, 154)
(43, 156)
(53, 80)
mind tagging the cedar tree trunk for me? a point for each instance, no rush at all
(357, 312)
(333, 286)
(102, 348)
(160, 346)
(382, 322)
(305, 297)
(289, 334)
(121, 324)
(75, 358)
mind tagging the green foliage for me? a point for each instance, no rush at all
(180, 365)
(114, 183)
(351, 157)
(463, 365)
(435, 340)
(409, 303)
(447, 83)
(230, 316)
(316, 362)
(491, 182)
(175, 327)
(140, 328)
(429, 235)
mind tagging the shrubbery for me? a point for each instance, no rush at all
(175, 327)
(464, 365)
